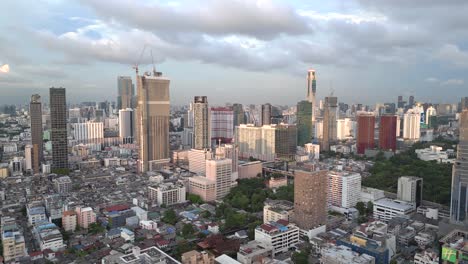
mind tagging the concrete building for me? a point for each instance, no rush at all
(239, 115)
(329, 122)
(167, 193)
(203, 187)
(311, 90)
(387, 132)
(412, 125)
(430, 111)
(48, 236)
(310, 199)
(344, 188)
(280, 235)
(436, 153)
(69, 221)
(453, 247)
(410, 189)
(58, 118)
(344, 128)
(89, 133)
(256, 142)
(36, 213)
(250, 169)
(385, 209)
(63, 185)
(126, 125)
(35, 112)
(370, 194)
(12, 240)
(28, 149)
(266, 114)
(304, 122)
(274, 210)
(459, 199)
(344, 255)
(125, 91)
(222, 128)
(365, 131)
(152, 117)
(197, 160)
(201, 126)
(195, 257)
(85, 216)
(426, 257)
(254, 252)
(220, 172)
(138, 255)
(229, 151)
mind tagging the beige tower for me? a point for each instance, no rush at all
(35, 110)
(329, 122)
(201, 126)
(152, 119)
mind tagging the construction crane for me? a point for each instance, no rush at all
(139, 59)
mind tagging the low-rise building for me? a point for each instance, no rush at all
(250, 169)
(138, 255)
(12, 240)
(48, 236)
(436, 153)
(196, 257)
(203, 187)
(69, 221)
(424, 239)
(127, 234)
(274, 210)
(426, 257)
(36, 213)
(148, 225)
(454, 247)
(63, 185)
(343, 255)
(167, 193)
(281, 235)
(385, 209)
(254, 252)
(370, 194)
(85, 216)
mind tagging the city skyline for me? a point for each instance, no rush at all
(83, 45)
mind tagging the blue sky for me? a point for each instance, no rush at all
(246, 51)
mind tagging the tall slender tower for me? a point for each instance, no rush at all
(329, 122)
(58, 119)
(152, 119)
(311, 89)
(459, 201)
(126, 92)
(35, 111)
(266, 114)
(201, 123)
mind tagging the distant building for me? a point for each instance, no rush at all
(126, 92)
(412, 125)
(256, 142)
(35, 111)
(69, 221)
(311, 90)
(274, 210)
(343, 188)
(85, 216)
(201, 127)
(58, 118)
(239, 115)
(167, 193)
(387, 132)
(436, 153)
(63, 185)
(266, 114)
(344, 128)
(410, 189)
(286, 141)
(197, 160)
(304, 122)
(329, 123)
(126, 125)
(222, 128)
(365, 131)
(220, 172)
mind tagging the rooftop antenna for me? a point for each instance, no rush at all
(152, 60)
(139, 59)
(332, 91)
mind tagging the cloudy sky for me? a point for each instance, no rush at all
(248, 51)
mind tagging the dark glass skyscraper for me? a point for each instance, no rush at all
(58, 119)
(459, 201)
(304, 122)
(329, 122)
(239, 116)
(35, 110)
(126, 92)
(266, 114)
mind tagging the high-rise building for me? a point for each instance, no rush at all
(412, 125)
(464, 103)
(387, 132)
(329, 122)
(222, 128)
(28, 149)
(344, 128)
(431, 111)
(239, 116)
(344, 189)
(365, 131)
(126, 125)
(410, 189)
(35, 112)
(266, 114)
(229, 151)
(311, 90)
(126, 92)
(220, 172)
(411, 101)
(88, 133)
(286, 141)
(256, 142)
(459, 200)
(58, 119)
(310, 199)
(152, 119)
(304, 123)
(201, 128)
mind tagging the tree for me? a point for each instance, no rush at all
(95, 228)
(300, 258)
(285, 193)
(170, 217)
(194, 198)
(187, 230)
(370, 208)
(361, 207)
(205, 214)
(182, 247)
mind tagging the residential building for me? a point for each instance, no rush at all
(256, 142)
(63, 185)
(343, 255)
(48, 236)
(89, 133)
(385, 209)
(126, 92)
(329, 122)
(152, 118)
(344, 188)
(274, 210)
(167, 193)
(365, 131)
(12, 240)
(126, 125)
(85, 216)
(138, 255)
(36, 213)
(222, 128)
(229, 151)
(28, 149)
(387, 132)
(197, 160)
(410, 189)
(304, 122)
(310, 199)
(203, 187)
(58, 119)
(430, 111)
(412, 124)
(254, 252)
(220, 172)
(344, 128)
(69, 221)
(280, 235)
(201, 126)
(426, 257)
(35, 112)
(196, 257)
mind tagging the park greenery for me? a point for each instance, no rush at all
(195, 199)
(436, 176)
(170, 217)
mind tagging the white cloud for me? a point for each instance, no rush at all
(431, 80)
(5, 68)
(453, 82)
(453, 54)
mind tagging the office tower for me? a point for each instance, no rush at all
(464, 103)
(344, 128)
(266, 114)
(126, 92)
(256, 142)
(401, 103)
(126, 125)
(387, 132)
(459, 201)
(310, 199)
(58, 119)
(431, 111)
(365, 131)
(390, 108)
(222, 128)
(152, 119)
(304, 123)
(201, 126)
(28, 149)
(329, 122)
(239, 116)
(190, 117)
(311, 90)
(411, 101)
(286, 142)
(410, 189)
(35, 112)
(412, 124)
(220, 172)
(344, 188)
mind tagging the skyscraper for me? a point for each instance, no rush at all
(401, 103)
(365, 131)
(286, 141)
(152, 119)
(311, 90)
(126, 92)
(431, 111)
(35, 111)
(201, 127)
(459, 201)
(410, 189)
(304, 123)
(126, 125)
(464, 103)
(239, 116)
(387, 132)
(310, 199)
(412, 125)
(220, 172)
(266, 114)
(222, 128)
(58, 119)
(411, 101)
(329, 122)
